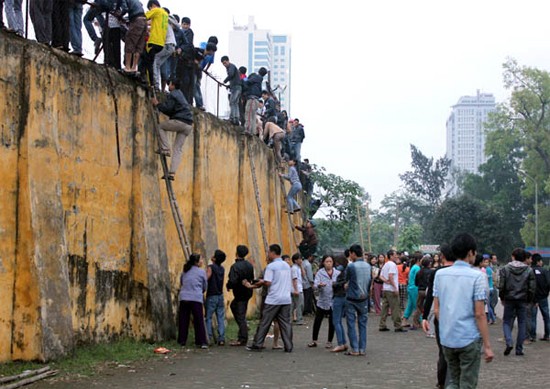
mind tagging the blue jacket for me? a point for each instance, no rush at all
(358, 277)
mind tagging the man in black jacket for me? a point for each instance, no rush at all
(181, 122)
(253, 90)
(542, 277)
(235, 89)
(240, 271)
(516, 289)
(296, 139)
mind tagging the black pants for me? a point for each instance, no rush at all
(61, 33)
(149, 59)
(308, 301)
(238, 308)
(185, 71)
(441, 361)
(320, 314)
(111, 47)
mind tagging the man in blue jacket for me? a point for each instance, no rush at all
(358, 279)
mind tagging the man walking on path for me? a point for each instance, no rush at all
(242, 271)
(459, 304)
(390, 293)
(447, 259)
(358, 279)
(542, 277)
(277, 303)
(516, 289)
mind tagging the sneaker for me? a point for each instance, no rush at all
(383, 329)
(204, 347)
(520, 353)
(400, 330)
(508, 350)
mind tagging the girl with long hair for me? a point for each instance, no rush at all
(193, 285)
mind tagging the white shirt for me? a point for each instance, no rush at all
(278, 273)
(390, 268)
(297, 275)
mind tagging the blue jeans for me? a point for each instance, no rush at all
(93, 13)
(14, 14)
(214, 304)
(290, 198)
(233, 102)
(198, 94)
(543, 305)
(338, 306)
(75, 20)
(296, 152)
(357, 312)
(490, 309)
(514, 309)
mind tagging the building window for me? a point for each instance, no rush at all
(282, 50)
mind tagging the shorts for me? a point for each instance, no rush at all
(135, 37)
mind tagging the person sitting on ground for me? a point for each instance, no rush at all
(296, 187)
(214, 297)
(181, 122)
(308, 245)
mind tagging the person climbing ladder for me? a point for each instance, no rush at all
(181, 122)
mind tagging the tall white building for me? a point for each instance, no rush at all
(255, 48)
(466, 133)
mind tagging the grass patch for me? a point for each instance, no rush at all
(91, 359)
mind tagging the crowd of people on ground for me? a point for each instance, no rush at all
(451, 295)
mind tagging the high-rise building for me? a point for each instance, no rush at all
(466, 132)
(255, 48)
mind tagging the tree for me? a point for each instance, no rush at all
(411, 238)
(520, 127)
(427, 178)
(483, 221)
(341, 199)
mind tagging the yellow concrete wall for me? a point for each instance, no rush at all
(88, 249)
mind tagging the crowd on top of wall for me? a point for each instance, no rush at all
(159, 47)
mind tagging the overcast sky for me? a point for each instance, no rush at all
(369, 80)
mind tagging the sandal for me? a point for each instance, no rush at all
(352, 353)
(277, 347)
(328, 345)
(312, 344)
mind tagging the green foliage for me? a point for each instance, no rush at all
(483, 221)
(410, 238)
(427, 178)
(340, 197)
(519, 137)
(341, 206)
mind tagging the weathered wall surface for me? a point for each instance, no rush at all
(88, 248)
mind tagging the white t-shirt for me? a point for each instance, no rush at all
(297, 275)
(390, 268)
(278, 273)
